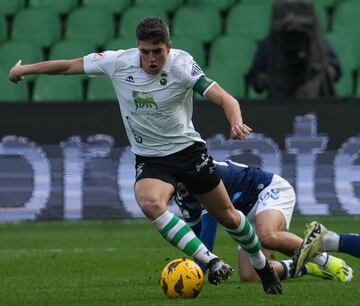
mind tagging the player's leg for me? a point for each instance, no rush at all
(269, 225)
(155, 184)
(152, 196)
(282, 268)
(247, 272)
(203, 180)
(271, 230)
(337, 267)
(310, 268)
(310, 248)
(236, 224)
(344, 243)
(219, 205)
(313, 245)
(272, 216)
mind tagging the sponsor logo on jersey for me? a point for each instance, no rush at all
(195, 70)
(206, 160)
(139, 169)
(144, 100)
(130, 79)
(273, 193)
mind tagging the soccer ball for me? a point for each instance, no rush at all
(181, 278)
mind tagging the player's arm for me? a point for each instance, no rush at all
(231, 107)
(208, 230)
(207, 234)
(73, 66)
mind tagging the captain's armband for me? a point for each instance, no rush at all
(203, 84)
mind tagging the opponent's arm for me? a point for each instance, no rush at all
(207, 234)
(208, 230)
(73, 66)
(231, 107)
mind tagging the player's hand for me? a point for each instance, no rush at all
(15, 73)
(240, 131)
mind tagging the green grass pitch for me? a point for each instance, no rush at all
(119, 263)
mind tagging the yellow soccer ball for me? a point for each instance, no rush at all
(182, 278)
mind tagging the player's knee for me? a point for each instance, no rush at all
(268, 239)
(150, 206)
(230, 220)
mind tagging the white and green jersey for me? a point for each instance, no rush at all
(156, 109)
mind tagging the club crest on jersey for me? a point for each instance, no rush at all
(163, 81)
(195, 70)
(144, 100)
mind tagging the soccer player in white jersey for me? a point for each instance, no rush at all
(154, 85)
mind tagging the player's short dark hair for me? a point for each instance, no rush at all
(154, 30)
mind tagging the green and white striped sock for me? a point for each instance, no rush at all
(247, 239)
(180, 235)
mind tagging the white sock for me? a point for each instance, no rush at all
(204, 255)
(258, 260)
(321, 260)
(247, 239)
(330, 242)
(287, 263)
(180, 235)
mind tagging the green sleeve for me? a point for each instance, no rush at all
(202, 84)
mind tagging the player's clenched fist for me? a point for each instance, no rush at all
(15, 73)
(240, 131)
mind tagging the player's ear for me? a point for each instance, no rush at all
(169, 46)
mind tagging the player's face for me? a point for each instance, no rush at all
(153, 57)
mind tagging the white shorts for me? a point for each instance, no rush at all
(279, 195)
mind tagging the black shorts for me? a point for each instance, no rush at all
(192, 166)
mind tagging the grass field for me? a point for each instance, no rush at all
(119, 263)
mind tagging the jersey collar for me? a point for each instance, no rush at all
(136, 59)
(169, 62)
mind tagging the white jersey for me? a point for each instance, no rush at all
(156, 109)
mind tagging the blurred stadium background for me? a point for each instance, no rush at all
(64, 154)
